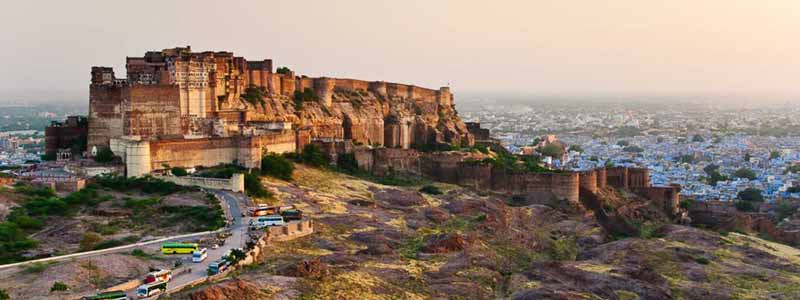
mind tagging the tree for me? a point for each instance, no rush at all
(105, 155)
(698, 139)
(4, 295)
(784, 210)
(178, 171)
(623, 143)
(633, 149)
(751, 195)
(747, 157)
(774, 154)
(745, 173)
(313, 156)
(794, 189)
(347, 162)
(746, 206)
(551, 150)
(686, 158)
(536, 141)
(277, 166)
(576, 148)
(283, 70)
(89, 241)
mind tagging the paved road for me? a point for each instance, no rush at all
(238, 230)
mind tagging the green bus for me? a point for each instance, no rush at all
(179, 248)
(112, 295)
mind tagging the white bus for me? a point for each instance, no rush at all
(149, 290)
(271, 220)
(199, 255)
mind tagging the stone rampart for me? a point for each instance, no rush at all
(234, 184)
(563, 185)
(588, 180)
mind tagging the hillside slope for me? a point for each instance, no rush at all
(381, 242)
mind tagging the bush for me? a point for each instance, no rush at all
(254, 95)
(563, 249)
(4, 295)
(745, 173)
(89, 241)
(277, 166)
(59, 286)
(37, 267)
(347, 162)
(139, 253)
(313, 156)
(200, 218)
(146, 184)
(178, 171)
(702, 260)
(633, 149)
(751, 195)
(105, 155)
(431, 189)
(551, 150)
(116, 242)
(745, 206)
(283, 70)
(254, 188)
(686, 204)
(301, 97)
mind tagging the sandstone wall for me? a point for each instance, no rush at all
(562, 185)
(588, 180)
(234, 184)
(197, 152)
(617, 177)
(602, 179)
(105, 114)
(668, 197)
(153, 110)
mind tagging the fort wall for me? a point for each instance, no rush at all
(234, 184)
(105, 113)
(562, 185)
(153, 110)
(588, 180)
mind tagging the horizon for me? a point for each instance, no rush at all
(623, 48)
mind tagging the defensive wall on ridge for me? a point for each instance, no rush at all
(466, 169)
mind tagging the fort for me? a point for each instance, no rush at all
(183, 109)
(468, 169)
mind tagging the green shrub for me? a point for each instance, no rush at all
(178, 171)
(283, 70)
(347, 162)
(141, 203)
(222, 171)
(139, 253)
(200, 218)
(89, 241)
(431, 189)
(59, 286)
(146, 184)
(104, 155)
(116, 242)
(254, 187)
(4, 295)
(313, 156)
(563, 249)
(254, 94)
(277, 166)
(702, 260)
(37, 267)
(745, 173)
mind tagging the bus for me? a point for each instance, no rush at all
(158, 275)
(218, 266)
(179, 248)
(149, 290)
(199, 255)
(263, 210)
(112, 295)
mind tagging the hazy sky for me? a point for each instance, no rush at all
(531, 46)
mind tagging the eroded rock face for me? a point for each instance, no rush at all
(444, 243)
(234, 289)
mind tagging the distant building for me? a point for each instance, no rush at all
(68, 137)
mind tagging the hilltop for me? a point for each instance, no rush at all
(393, 242)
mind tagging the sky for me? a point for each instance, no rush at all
(527, 47)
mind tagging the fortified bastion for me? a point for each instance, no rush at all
(184, 109)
